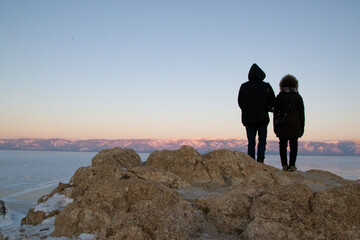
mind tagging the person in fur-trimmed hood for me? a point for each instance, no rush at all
(289, 120)
(256, 99)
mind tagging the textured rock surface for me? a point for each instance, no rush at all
(223, 166)
(111, 207)
(185, 163)
(36, 217)
(167, 178)
(220, 195)
(119, 199)
(278, 205)
(107, 163)
(118, 157)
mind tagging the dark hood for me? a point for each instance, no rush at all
(256, 74)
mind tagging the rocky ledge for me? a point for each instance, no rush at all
(181, 194)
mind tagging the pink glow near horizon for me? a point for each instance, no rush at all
(172, 70)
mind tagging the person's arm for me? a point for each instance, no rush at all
(276, 115)
(240, 103)
(270, 98)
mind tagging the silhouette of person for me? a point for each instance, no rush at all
(2, 208)
(289, 120)
(256, 99)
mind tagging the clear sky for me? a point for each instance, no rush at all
(172, 69)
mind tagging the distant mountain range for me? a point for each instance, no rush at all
(203, 145)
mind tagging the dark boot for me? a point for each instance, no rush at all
(292, 168)
(285, 168)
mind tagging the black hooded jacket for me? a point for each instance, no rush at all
(256, 98)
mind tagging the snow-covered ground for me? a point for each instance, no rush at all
(10, 223)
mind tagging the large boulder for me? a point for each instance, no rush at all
(109, 162)
(118, 198)
(279, 205)
(117, 157)
(84, 177)
(230, 166)
(185, 162)
(110, 207)
(222, 166)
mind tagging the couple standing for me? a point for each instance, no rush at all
(256, 99)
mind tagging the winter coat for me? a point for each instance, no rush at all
(294, 122)
(256, 98)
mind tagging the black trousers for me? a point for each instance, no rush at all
(293, 150)
(251, 136)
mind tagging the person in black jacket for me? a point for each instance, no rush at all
(256, 99)
(289, 120)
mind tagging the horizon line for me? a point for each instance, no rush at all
(180, 138)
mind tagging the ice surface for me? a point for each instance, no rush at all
(11, 219)
(43, 230)
(40, 231)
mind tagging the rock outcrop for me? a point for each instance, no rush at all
(119, 208)
(181, 194)
(219, 166)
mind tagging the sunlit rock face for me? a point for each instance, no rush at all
(182, 194)
(111, 207)
(221, 166)
(273, 205)
(117, 157)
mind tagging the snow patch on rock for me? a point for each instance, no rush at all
(56, 202)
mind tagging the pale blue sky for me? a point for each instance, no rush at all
(172, 69)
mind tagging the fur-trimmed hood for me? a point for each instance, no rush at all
(289, 82)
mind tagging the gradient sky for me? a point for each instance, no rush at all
(172, 69)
